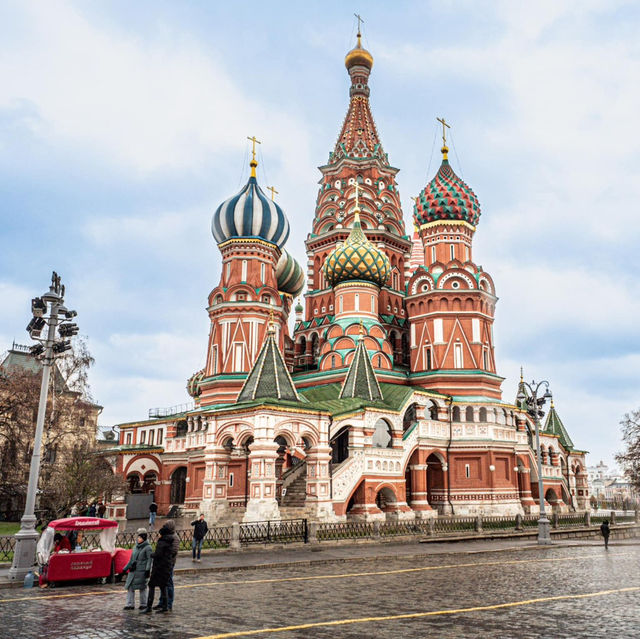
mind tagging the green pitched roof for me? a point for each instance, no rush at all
(269, 377)
(555, 426)
(361, 380)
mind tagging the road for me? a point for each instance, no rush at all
(534, 592)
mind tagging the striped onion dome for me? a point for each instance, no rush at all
(446, 197)
(250, 214)
(357, 259)
(289, 274)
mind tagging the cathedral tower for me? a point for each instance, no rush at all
(451, 300)
(258, 282)
(358, 158)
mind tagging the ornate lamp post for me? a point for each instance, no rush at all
(534, 406)
(49, 311)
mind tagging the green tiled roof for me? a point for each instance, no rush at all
(361, 380)
(554, 425)
(269, 377)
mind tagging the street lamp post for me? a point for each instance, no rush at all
(52, 302)
(534, 406)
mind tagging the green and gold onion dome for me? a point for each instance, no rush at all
(289, 274)
(357, 259)
(358, 56)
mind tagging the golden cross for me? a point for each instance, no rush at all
(273, 192)
(445, 126)
(254, 142)
(360, 21)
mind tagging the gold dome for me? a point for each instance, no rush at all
(357, 259)
(359, 56)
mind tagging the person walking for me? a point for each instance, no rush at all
(153, 511)
(139, 567)
(102, 509)
(164, 558)
(200, 529)
(170, 589)
(605, 531)
(92, 510)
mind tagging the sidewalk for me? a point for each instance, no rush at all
(330, 553)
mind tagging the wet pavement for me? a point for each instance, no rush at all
(566, 590)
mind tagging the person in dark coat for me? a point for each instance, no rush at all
(139, 568)
(153, 513)
(200, 530)
(605, 531)
(164, 559)
(170, 590)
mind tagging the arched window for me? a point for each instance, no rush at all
(382, 435)
(433, 411)
(410, 418)
(469, 414)
(482, 414)
(456, 413)
(179, 485)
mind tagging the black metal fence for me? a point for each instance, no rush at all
(300, 530)
(265, 532)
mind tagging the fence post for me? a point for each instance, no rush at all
(587, 518)
(518, 521)
(306, 531)
(235, 536)
(613, 517)
(479, 524)
(432, 527)
(376, 530)
(312, 532)
(637, 516)
(556, 519)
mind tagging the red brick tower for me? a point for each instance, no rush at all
(359, 158)
(250, 230)
(451, 300)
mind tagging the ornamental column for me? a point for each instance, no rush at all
(318, 499)
(214, 488)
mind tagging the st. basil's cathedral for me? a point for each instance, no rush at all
(385, 401)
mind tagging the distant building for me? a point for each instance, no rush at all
(70, 421)
(610, 485)
(385, 402)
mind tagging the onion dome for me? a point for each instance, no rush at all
(289, 274)
(193, 383)
(358, 56)
(299, 308)
(357, 259)
(251, 214)
(446, 197)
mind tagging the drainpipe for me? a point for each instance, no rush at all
(450, 402)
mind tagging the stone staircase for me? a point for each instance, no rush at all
(296, 494)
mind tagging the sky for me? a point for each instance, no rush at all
(123, 126)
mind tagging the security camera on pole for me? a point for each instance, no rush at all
(46, 350)
(534, 408)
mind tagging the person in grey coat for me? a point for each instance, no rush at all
(139, 568)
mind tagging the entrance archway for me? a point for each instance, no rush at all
(435, 481)
(133, 481)
(552, 498)
(386, 500)
(179, 485)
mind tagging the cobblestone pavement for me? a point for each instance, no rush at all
(466, 593)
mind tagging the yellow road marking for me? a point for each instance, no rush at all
(347, 575)
(418, 615)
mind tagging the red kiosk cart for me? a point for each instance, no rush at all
(100, 562)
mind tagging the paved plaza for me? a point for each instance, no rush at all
(571, 590)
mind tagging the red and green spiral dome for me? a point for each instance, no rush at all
(446, 197)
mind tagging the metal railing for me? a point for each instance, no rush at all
(266, 532)
(300, 530)
(171, 410)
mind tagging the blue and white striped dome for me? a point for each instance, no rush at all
(250, 214)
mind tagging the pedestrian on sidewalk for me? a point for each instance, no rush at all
(605, 531)
(139, 567)
(170, 589)
(164, 559)
(153, 511)
(200, 530)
